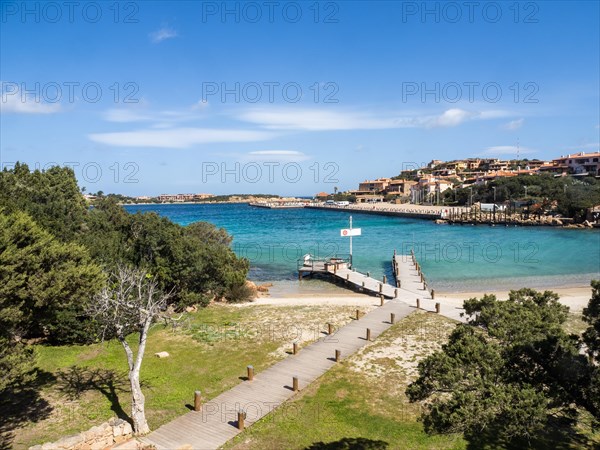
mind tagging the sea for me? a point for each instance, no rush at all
(454, 258)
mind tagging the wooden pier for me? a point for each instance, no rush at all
(409, 275)
(406, 269)
(223, 417)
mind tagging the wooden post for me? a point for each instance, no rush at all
(240, 422)
(295, 348)
(329, 329)
(337, 355)
(368, 274)
(433, 294)
(197, 400)
(335, 269)
(418, 303)
(392, 318)
(347, 277)
(380, 288)
(363, 284)
(381, 300)
(295, 384)
(357, 314)
(437, 308)
(384, 279)
(395, 293)
(250, 370)
(368, 334)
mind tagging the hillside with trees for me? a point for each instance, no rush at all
(56, 252)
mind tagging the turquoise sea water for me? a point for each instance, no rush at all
(453, 257)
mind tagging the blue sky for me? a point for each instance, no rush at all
(291, 98)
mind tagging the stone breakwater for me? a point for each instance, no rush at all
(458, 215)
(106, 435)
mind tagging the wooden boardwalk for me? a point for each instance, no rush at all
(365, 283)
(411, 284)
(216, 423)
(408, 276)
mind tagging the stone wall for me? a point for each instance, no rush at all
(100, 437)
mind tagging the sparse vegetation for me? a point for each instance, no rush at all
(361, 401)
(78, 386)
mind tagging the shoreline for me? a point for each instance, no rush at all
(445, 215)
(239, 202)
(576, 297)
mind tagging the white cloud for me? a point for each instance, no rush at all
(508, 150)
(493, 114)
(277, 155)
(13, 101)
(449, 118)
(162, 118)
(514, 124)
(322, 120)
(177, 137)
(200, 104)
(163, 34)
(312, 120)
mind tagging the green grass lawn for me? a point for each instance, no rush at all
(82, 386)
(362, 397)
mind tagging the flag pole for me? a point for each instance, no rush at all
(351, 240)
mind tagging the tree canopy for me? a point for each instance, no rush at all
(511, 369)
(54, 246)
(45, 284)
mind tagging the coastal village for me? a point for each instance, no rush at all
(424, 184)
(422, 192)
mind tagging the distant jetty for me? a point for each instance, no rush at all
(279, 205)
(457, 215)
(386, 209)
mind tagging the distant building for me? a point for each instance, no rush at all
(428, 190)
(458, 166)
(378, 185)
(578, 164)
(400, 187)
(178, 198)
(322, 196)
(370, 198)
(473, 163)
(499, 165)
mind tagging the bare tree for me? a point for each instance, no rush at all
(129, 303)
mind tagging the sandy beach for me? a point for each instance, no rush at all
(576, 298)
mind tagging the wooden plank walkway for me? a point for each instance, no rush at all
(408, 277)
(216, 423)
(365, 283)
